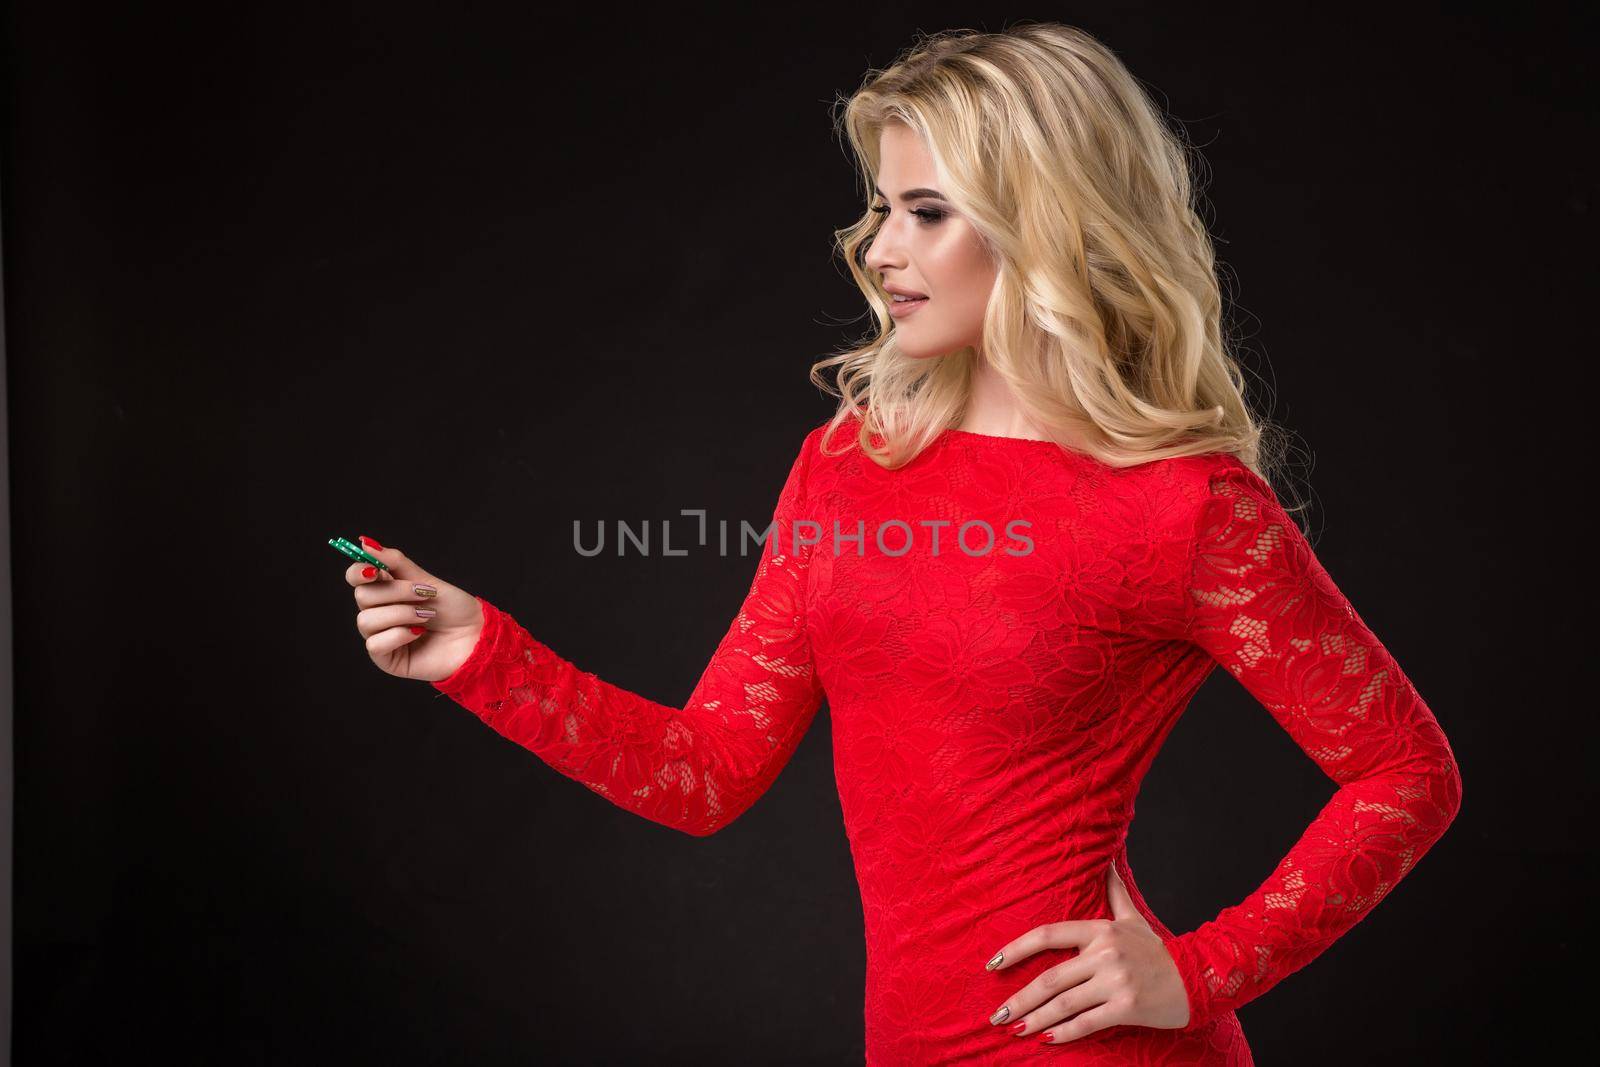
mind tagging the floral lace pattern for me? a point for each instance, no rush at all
(994, 714)
(1263, 606)
(694, 769)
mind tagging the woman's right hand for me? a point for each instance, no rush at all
(400, 641)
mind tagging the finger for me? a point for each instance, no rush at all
(372, 593)
(1081, 1025)
(1069, 1002)
(401, 567)
(1052, 984)
(1118, 897)
(373, 621)
(1071, 933)
(359, 574)
(389, 640)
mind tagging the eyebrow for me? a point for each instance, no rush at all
(913, 194)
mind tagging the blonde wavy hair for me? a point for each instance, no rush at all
(1106, 315)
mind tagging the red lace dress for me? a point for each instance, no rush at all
(994, 713)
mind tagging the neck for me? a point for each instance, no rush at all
(992, 408)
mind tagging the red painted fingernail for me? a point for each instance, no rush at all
(1046, 1036)
(418, 629)
(369, 572)
(1019, 1027)
(370, 541)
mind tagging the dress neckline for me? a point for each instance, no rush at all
(997, 437)
(950, 433)
(1031, 446)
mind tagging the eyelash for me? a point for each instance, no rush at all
(929, 216)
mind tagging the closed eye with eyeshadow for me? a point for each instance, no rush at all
(929, 216)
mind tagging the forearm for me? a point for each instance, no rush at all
(693, 769)
(1364, 840)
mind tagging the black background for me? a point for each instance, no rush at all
(454, 277)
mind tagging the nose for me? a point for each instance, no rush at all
(882, 254)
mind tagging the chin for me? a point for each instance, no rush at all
(913, 349)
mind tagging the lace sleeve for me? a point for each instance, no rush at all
(1263, 606)
(695, 768)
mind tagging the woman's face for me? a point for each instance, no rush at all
(923, 246)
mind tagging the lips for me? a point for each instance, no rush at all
(902, 308)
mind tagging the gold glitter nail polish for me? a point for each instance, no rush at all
(999, 958)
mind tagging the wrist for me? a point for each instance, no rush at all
(478, 646)
(1191, 971)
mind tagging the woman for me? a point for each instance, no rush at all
(1035, 524)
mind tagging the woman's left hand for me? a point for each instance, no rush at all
(1122, 975)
